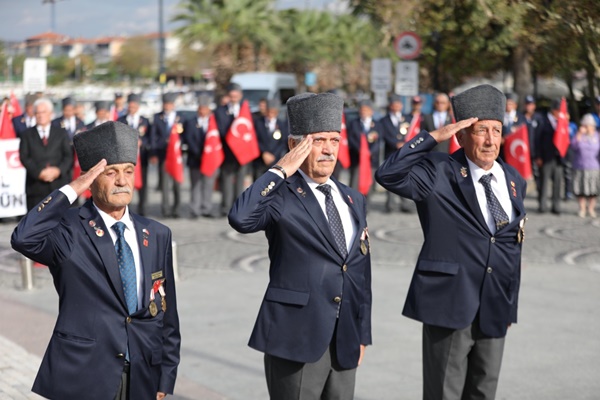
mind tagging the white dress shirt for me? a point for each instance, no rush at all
(343, 208)
(29, 121)
(130, 238)
(439, 118)
(170, 118)
(43, 131)
(133, 120)
(234, 109)
(499, 188)
(203, 123)
(395, 118)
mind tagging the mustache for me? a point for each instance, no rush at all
(121, 190)
(329, 157)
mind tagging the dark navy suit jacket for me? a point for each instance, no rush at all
(194, 136)
(297, 317)
(224, 120)
(85, 356)
(355, 130)
(79, 125)
(19, 124)
(266, 141)
(463, 269)
(160, 133)
(144, 131)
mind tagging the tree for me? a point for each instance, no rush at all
(137, 58)
(236, 32)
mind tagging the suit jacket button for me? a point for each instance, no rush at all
(489, 270)
(337, 299)
(120, 355)
(128, 320)
(263, 193)
(493, 239)
(344, 268)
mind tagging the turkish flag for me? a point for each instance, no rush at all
(241, 137)
(365, 176)
(561, 134)
(173, 159)
(7, 130)
(212, 153)
(344, 151)
(114, 114)
(77, 173)
(15, 105)
(517, 151)
(138, 183)
(453, 141)
(414, 128)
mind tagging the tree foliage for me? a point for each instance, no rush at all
(137, 58)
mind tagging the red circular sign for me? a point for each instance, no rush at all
(407, 45)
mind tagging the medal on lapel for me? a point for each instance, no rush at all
(463, 172)
(163, 295)
(152, 307)
(365, 244)
(277, 134)
(521, 232)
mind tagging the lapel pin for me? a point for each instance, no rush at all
(350, 199)
(301, 191)
(92, 223)
(99, 232)
(145, 242)
(463, 172)
(145, 232)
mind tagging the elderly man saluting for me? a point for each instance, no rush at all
(315, 319)
(466, 283)
(115, 336)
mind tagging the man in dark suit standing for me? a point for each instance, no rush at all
(272, 135)
(68, 121)
(366, 126)
(102, 114)
(46, 154)
(26, 120)
(194, 135)
(440, 117)
(160, 135)
(315, 319)
(117, 332)
(466, 283)
(395, 126)
(232, 176)
(142, 125)
(548, 160)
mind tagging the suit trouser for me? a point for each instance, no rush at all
(322, 380)
(167, 182)
(123, 391)
(231, 183)
(461, 364)
(551, 173)
(201, 192)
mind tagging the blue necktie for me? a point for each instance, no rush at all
(498, 213)
(335, 222)
(126, 267)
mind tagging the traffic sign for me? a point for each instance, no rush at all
(407, 78)
(34, 75)
(381, 75)
(408, 45)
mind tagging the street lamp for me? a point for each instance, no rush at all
(161, 48)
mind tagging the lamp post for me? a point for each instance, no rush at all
(161, 49)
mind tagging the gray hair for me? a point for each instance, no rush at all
(296, 138)
(588, 120)
(43, 100)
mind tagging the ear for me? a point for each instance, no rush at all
(291, 143)
(460, 136)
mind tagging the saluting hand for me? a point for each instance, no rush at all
(296, 156)
(83, 183)
(446, 132)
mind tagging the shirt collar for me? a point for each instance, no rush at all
(313, 185)
(110, 221)
(477, 172)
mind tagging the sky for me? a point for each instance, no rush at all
(20, 19)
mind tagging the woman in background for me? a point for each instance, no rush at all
(586, 165)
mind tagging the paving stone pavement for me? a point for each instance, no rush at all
(551, 354)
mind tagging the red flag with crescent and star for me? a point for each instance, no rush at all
(241, 137)
(414, 128)
(453, 141)
(77, 172)
(173, 159)
(561, 134)
(212, 153)
(15, 105)
(365, 173)
(7, 130)
(517, 151)
(137, 179)
(343, 150)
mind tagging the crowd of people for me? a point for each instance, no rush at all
(370, 141)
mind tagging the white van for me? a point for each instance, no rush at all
(266, 85)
